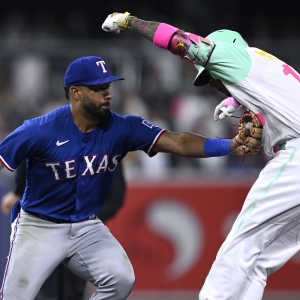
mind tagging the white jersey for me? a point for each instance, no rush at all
(263, 84)
(271, 88)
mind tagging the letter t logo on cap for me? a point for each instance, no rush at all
(101, 63)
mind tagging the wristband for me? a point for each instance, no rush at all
(216, 147)
(163, 34)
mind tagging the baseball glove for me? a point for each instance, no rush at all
(249, 135)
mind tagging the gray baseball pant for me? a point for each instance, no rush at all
(87, 248)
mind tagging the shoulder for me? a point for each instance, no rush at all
(54, 117)
(124, 120)
(229, 49)
(129, 124)
(229, 63)
(261, 54)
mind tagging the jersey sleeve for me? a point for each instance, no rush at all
(141, 134)
(228, 63)
(19, 145)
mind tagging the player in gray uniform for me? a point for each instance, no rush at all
(266, 232)
(71, 155)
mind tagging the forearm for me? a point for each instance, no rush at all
(192, 145)
(163, 35)
(189, 145)
(145, 28)
(183, 44)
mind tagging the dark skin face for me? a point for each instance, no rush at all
(89, 104)
(218, 84)
(96, 100)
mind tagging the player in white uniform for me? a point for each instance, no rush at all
(266, 232)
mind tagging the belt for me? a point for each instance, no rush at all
(60, 221)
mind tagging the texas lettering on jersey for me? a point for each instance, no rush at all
(68, 168)
(62, 165)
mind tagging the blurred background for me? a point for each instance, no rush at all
(177, 211)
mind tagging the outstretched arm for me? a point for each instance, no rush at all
(179, 42)
(117, 21)
(145, 28)
(192, 145)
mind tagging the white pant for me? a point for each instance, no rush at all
(87, 248)
(265, 235)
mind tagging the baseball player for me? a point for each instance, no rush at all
(266, 232)
(72, 154)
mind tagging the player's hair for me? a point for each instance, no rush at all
(66, 92)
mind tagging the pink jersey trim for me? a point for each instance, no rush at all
(5, 164)
(163, 34)
(155, 141)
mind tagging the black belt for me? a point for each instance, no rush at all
(60, 221)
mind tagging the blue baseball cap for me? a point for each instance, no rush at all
(88, 70)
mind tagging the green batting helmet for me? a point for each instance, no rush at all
(226, 36)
